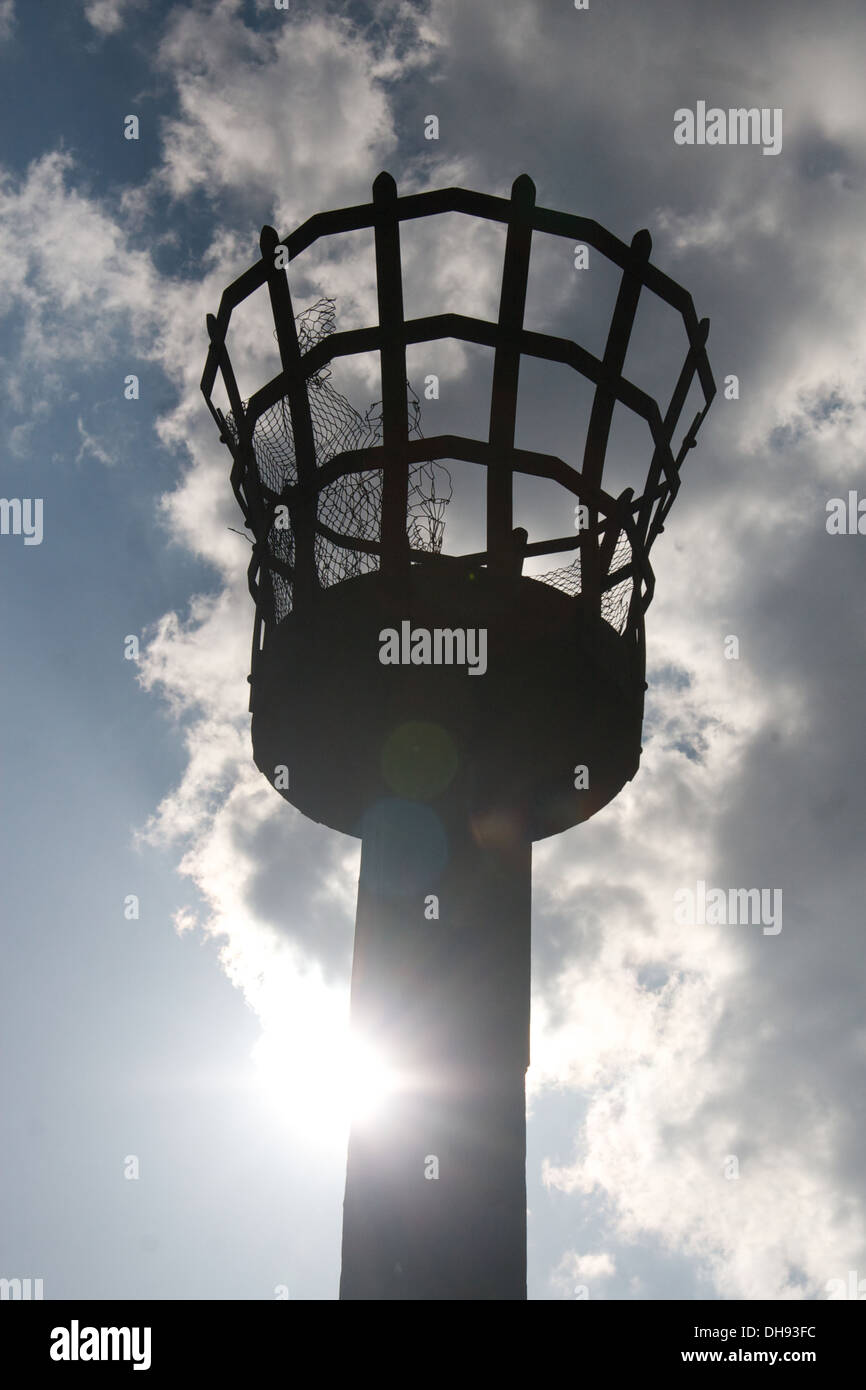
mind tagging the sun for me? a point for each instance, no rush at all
(369, 1082)
(326, 1079)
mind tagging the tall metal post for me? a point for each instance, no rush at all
(435, 1204)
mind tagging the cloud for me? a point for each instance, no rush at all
(576, 1273)
(53, 268)
(290, 115)
(108, 16)
(91, 445)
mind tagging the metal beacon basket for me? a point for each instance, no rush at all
(365, 698)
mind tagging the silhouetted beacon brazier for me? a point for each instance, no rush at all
(447, 709)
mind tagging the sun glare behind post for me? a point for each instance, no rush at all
(327, 1083)
(369, 1081)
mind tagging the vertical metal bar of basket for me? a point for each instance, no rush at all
(392, 355)
(603, 404)
(506, 373)
(248, 475)
(303, 512)
(649, 514)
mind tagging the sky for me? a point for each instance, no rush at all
(177, 939)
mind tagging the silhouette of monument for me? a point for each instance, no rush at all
(439, 706)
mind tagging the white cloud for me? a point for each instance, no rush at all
(72, 276)
(576, 1274)
(291, 116)
(90, 445)
(108, 16)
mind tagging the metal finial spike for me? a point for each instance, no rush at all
(268, 240)
(212, 326)
(523, 189)
(384, 185)
(642, 243)
(703, 331)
